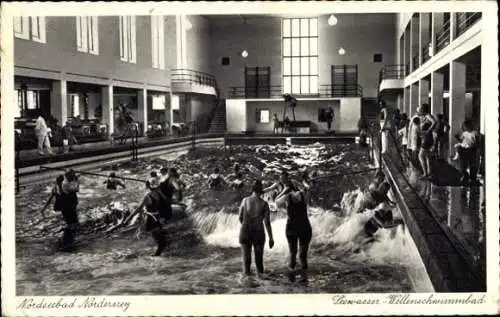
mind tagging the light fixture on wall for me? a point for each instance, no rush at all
(332, 20)
(341, 51)
(244, 54)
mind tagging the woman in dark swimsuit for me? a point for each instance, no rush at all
(298, 232)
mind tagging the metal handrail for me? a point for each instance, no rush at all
(425, 52)
(325, 91)
(193, 76)
(397, 71)
(443, 36)
(463, 25)
(415, 64)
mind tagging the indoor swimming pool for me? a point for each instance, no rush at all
(203, 254)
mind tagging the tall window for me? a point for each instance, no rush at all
(158, 42)
(300, 56)
(75, 105)
(87, 35)
(30, 28)
(128, 48)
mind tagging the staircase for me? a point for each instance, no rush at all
(218, 124)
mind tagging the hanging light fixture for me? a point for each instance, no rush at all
(332, 20)
(244, 54)
(341, 51)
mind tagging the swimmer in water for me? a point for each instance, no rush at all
(173, 178)
(163, 174)
(113, 182)
(282, 187)
(236, 178)
(373, 198)
(69, 189)
(253, 216)
(379, 179)
(382, 219)
(215, 180)
(56, 193)
(153, 181)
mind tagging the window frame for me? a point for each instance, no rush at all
(127, 33)
(87, 34)
(27, 28)
(258, 116)
(296, 58)
(158, 41)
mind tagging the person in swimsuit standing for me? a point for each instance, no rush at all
(253, 216)
(298, 232)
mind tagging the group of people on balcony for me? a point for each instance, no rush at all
(423, 138)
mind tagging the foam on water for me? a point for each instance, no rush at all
(339, 234)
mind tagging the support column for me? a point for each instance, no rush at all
(421, 39)
(405, 43)
(413, 39)
(453, 25)
(413, 99)
(457, 98)
(142, 108)
(59, 101)
(437, 90)
(423, 91)
(108, 116)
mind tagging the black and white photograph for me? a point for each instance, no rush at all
(285, 149)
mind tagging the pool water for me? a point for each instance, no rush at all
(203, 255)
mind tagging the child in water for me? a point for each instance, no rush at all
(215, 180)
(382, 219)
(154, 181)
(113, 182)
(56, 193)
(236, 177)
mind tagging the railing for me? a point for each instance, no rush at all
(465, 20)
(397, 71)
(194, 77)
(407, 69)
(415, 63)
(443, 37)
(325, 91)
(425, 52)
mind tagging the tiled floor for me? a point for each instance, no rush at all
(457, 208)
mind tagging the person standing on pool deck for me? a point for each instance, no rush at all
(253, 215)
(298, 233)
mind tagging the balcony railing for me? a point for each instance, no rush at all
(193, 76)
(415, 63)
(426, 52)
(397, 71)
(325, 91)
(443, 37)
(465, 20)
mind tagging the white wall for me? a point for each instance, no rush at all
(350, 113)
(241, 114)
(361, 35)
(305, 111)
(236, 115)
